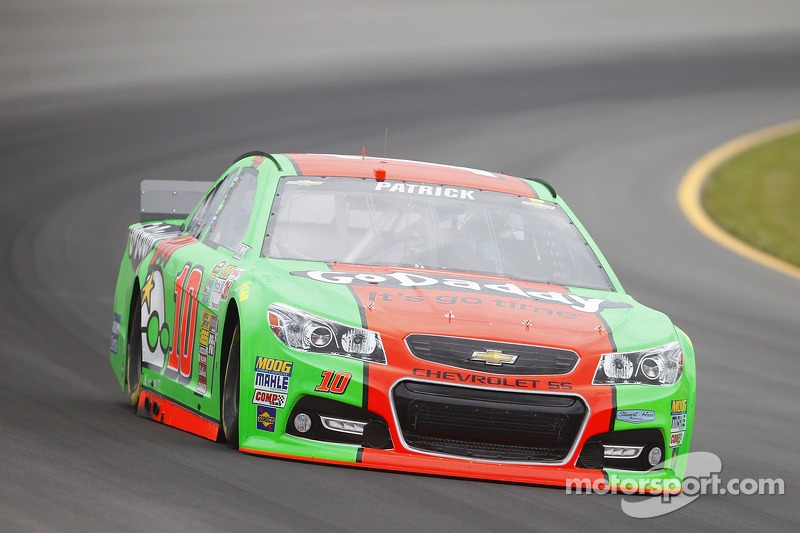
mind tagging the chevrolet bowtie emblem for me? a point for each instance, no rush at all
(493, 357)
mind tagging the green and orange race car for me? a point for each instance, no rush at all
(396, 315)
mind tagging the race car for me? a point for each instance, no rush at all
(397, 315)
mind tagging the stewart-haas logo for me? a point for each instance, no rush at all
(403, 279)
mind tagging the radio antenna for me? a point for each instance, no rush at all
(380, 173)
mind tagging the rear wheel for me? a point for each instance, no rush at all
(230, 394)
(133, 365)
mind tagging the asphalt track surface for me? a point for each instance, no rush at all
(614, 135)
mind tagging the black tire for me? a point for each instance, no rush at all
(133, 362)
(230, 393)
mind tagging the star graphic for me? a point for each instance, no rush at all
(147, 290)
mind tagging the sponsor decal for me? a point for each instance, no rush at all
(219, 284)
(271, 399)
(115, 332)
(426, 190)
(678, 406)
(271, 382)
(265, 418)
(216, 270)
(268, 364)
(244, 291)
(450, 300)
(636, 416)
(216, 293)
(678, 414)
(144, 238)
(494, 357)
(304, 183)
(208, 348)
(243, 249)
(535, 202)
(404, 279)
(506, 381)
(226, 289)
(272, 374)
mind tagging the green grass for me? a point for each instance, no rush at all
(756, 197)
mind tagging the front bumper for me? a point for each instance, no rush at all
(377, 396)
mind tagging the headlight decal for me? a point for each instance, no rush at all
(655, 366)
(304, 331)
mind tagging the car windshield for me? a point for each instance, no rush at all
(425, 225)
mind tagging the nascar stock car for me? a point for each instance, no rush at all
(396, 315)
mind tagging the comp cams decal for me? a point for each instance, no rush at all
(403, 279)
(272, 374)
(271, 399)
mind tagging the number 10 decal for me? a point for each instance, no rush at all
(187, 285)
(334, 382)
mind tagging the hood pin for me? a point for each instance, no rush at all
(370, 306)
(449, 316)
(599, 330)
(527, 323)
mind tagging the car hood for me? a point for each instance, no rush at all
(399, 301)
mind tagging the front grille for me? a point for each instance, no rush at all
(454, 351)
(482, 424)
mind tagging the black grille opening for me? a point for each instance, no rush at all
(461, 353)
(487, 424)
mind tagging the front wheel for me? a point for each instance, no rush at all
(230, 394)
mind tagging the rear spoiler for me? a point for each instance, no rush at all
(162, 199)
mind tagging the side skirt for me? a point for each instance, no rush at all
(156, 407)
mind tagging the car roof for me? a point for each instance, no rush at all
(404, 170)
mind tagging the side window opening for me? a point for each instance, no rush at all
(229, 227)
(207, 208)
